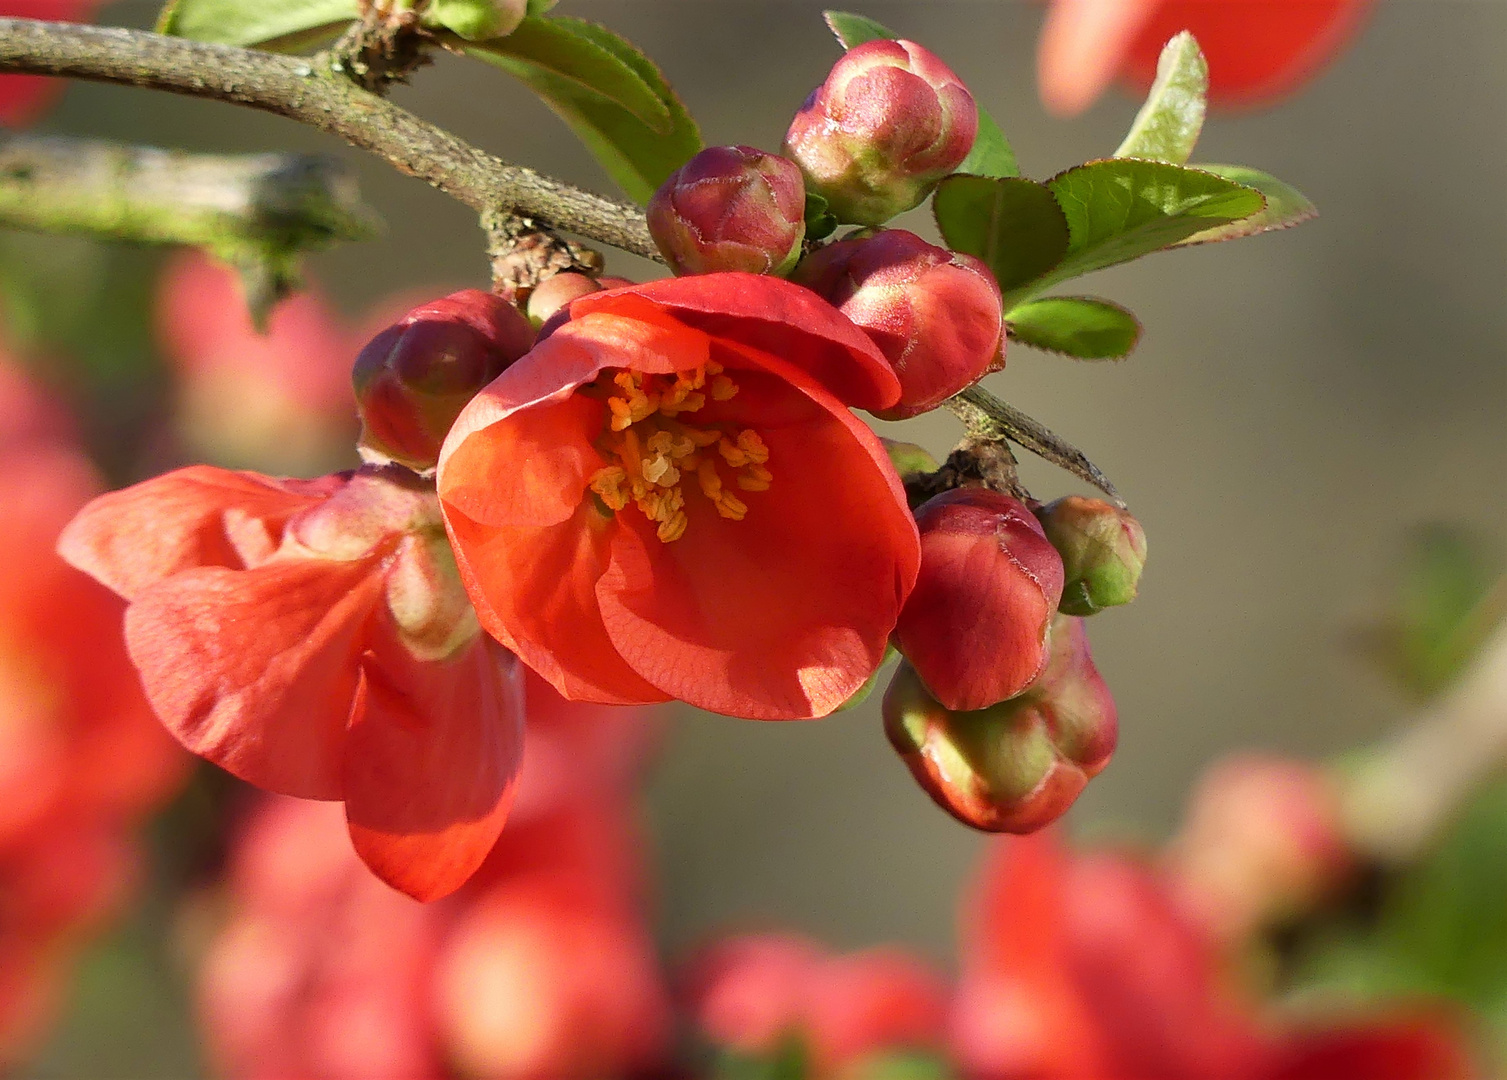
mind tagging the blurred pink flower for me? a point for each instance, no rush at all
(82, 759)
(539, 968)
(754, 993)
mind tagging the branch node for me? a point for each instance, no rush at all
(524, 253)
(383, 47)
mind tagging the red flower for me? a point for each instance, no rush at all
(1256, 49)
(668, 498)
(1085, 966)
(752, 994)
(540, 968)
(311, 638)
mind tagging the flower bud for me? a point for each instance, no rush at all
(1017, 765)
(554, 293)
(890, 121)
(730, 208)
(909, 459)
(935, 314)
(1103, 550)
(476, 20)
(975, 626)
(413, 378)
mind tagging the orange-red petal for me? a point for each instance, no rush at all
(431, 762)
(785, 614)
(773, 315)
(256, 670)
(198, 516)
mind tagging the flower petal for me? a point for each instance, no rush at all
(785, 614)
(535, 591)
(256, 670)
(431, 762)
(200, 516)
(771, 314)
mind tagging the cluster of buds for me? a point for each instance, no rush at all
(871, 142)
(997, 709)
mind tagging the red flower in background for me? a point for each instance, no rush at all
(1085, 968)
(82, 759)
(23, 98)
(669, 498)
(279, 400)
(539, 969)
(312, 638)
(1257, 49)
(754, 994)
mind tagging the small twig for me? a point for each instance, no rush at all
(988, 419)
(524, 253)
(313, 92)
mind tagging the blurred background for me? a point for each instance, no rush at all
(1300, 405)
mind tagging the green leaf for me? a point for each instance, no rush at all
(1120, 209)
(1083, 327)
(1167, 126)
(555, 47)
(474, 20)
(635, 154)
(540, 7)
(284, 25)
(1014, 225)
(991, 154)
(1286, 206)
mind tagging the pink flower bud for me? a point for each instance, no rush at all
(1263, 840)
(554, 293)
(730, 208)
(890, 121)
(934, 313)
(1103, 550)
(1018, 765)
(413, 378)
(975, 626)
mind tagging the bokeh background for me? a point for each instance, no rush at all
(1299, 403)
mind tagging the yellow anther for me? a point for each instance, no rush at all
(732, 453)
(752, 445)
(648, 461)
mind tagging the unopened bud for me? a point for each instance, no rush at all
(890, 121)
(1103, 550)
(413, 379)
(554, 293)
(909, 459)
(975, 625)
(730, 208)
(476, 20)
(935, 314)
(1018, 765)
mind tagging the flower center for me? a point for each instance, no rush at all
(651, 453)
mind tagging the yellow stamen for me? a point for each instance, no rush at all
(649, 452)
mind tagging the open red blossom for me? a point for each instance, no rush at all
(1257, 49)
(669, 498)
(312, 638)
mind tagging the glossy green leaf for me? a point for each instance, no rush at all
(557, 48)
(1286, 206)
(284, 25)
(1121, 209)
(540, 7)
(638, 156)
(1083, 327)
(1168, 124)
(991, 154)
(1014, 225)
